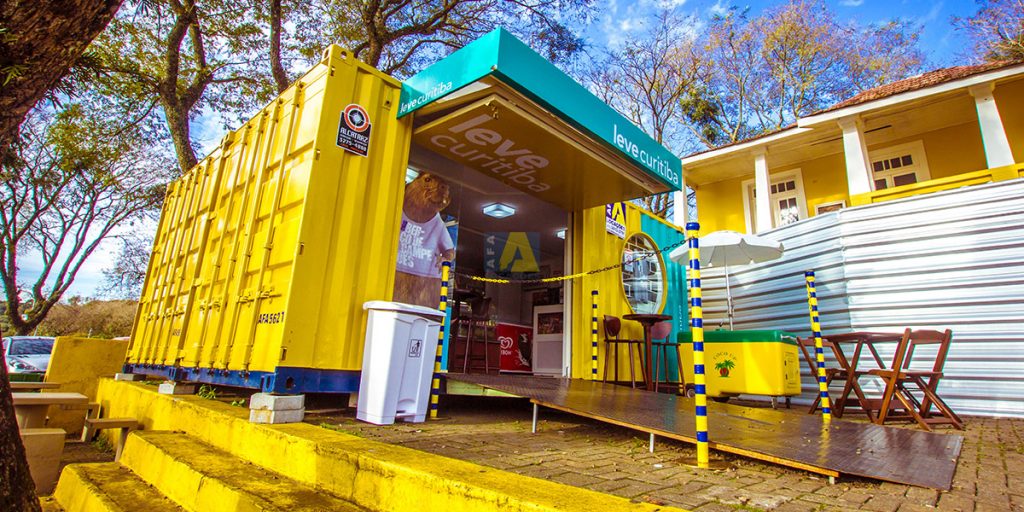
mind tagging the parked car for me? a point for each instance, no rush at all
(27, 354)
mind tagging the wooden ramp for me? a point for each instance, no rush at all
(799, 441)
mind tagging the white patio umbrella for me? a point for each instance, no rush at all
(724, 248)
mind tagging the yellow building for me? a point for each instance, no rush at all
(940, 130)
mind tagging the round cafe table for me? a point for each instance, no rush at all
(648, 320)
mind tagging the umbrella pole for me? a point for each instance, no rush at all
(728, 294)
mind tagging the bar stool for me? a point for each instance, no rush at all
(612, 326)
(479, 317)
(662, 331)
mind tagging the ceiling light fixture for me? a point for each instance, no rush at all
(560, 233)
(499, 210)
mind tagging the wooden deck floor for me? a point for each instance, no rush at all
(800, 441)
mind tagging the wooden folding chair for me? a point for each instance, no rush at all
(842, 372)
(926, 382)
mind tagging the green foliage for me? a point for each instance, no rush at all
(93, 318)
(208, 392)
(400, 37)
(101, 444)
(184, 57)
(238, 403)
(78, 173)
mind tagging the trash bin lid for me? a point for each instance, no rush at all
(383, 305)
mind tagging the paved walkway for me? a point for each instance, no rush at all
(576, 451)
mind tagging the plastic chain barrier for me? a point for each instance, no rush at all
(435, 384)
(642, 255)
(819, 354)
(697, 326)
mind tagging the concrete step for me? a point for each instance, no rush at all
(201, 478)
(375, 475)
(106, 487)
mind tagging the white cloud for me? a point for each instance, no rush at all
(851, 3)
(719, 9)
(661, 4)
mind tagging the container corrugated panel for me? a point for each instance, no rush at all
(594, 248)
(267, 250)
(952, 259)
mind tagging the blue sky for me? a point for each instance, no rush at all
(613, 19)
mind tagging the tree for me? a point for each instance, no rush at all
(93, 318)
(126, 277)
(184, 55)
(78, 176)
(399, 36)
(39, 41)
(996, 30)
(793, 59)
(648, 80)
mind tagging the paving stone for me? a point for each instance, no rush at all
(714, 507)
(576, 479)
(914, 507)
(922, 496)
(955, 502)
(881, 504)
(608, 486)
(611, 459)
(798, 506)
(684, 501)
(635, 488)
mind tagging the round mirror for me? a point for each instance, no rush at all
(643, 275)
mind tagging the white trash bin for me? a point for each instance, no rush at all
(398, 362)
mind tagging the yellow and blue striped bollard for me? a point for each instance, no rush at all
(697, 326)
(593, 335)
(819, 354)
(435, 384)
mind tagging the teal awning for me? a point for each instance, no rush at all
(501, 55)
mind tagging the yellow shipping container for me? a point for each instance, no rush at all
(268, 248)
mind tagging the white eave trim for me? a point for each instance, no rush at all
(744, 146)
(963, 83)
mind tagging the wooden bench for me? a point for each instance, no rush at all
(33, 386)
(94, 425)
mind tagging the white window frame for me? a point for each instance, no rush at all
(916, 151)
(774, 179)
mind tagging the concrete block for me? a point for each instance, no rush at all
(276, 417)
(277, 402)
(177, 388)
(129, 376)
(43, 449)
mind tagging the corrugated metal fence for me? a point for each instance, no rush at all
(952, 259)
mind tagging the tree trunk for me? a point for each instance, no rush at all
(43, 39)
(177, 123)
(276, 69)
(17, 490)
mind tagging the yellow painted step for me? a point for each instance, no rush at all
(375, 475)
(49, 504)
(107, 487)
(202, 478)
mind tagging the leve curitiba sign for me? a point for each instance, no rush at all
(500, 54)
